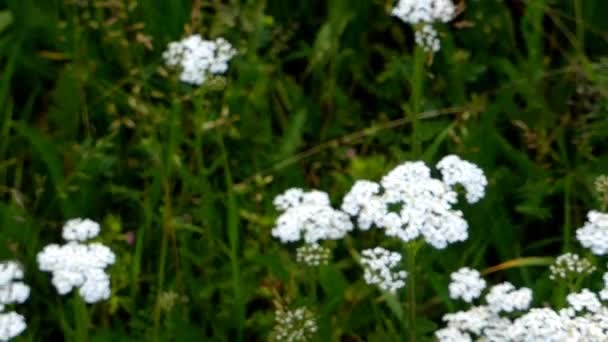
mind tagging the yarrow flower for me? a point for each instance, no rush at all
(423, 13)
(584, 300)
(294, 325)
(504, 297)
(308, 216)
(457, 171)
(378, 264)
(427, 38)
(313, 255)
(79, 265)
(570, 264)
(408, 203)
(594, 234)
(466, 284)
(197, 58)
(12, 291)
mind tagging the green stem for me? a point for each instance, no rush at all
(81, 319)
(412, 250)
(567, 212)
(232, 220)
(580, 25)
(417, 85)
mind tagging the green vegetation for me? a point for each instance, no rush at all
(321, 93)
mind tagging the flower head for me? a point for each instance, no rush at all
(313, 255)
(80, 229)
(504, 297)
(294, 325)
(466, 284)
(408, 203)
(570, 264)
(308, 216)
(427, 38)
(79, 265)
(424, 11)
(457, 171)
(197, 58)
(12, 291)
(378, 264)
(594, 234)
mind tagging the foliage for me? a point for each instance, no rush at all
(93, 125)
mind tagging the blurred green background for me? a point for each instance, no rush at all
(182, 179)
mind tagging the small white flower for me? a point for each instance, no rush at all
(504, 297)
(362, 201)
(197, 58)
(309, 217)
(78, 265)
(80, 229)
(313, 255)
(297, 325)
(427, 38)
(594, 234)
(584, 300)
(378, 264)
(12, 325)
(466, 284)
(569, 264)
(457, 171)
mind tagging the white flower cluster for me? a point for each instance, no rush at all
(408, 203)
(294, 326)
(570, 264)
(197, 58)
(427, 38)
(456, 171)
(586, 319)
(594, 234)
(12, 291)
(466, 284)
(313, 255)
(79, 265)
(584, 300)
(308, 216)
(378, 264)
(504, 297)
(425, 12)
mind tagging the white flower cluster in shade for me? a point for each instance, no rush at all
(408, 203)
(313, 255)
(12, 291)
(427, 38)
(197, 58)
(378, 264)
(79, 265)
(570, 265)
(594, 234)
(466, 284)
(425, 12)
(294, 325)
(308, 216)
